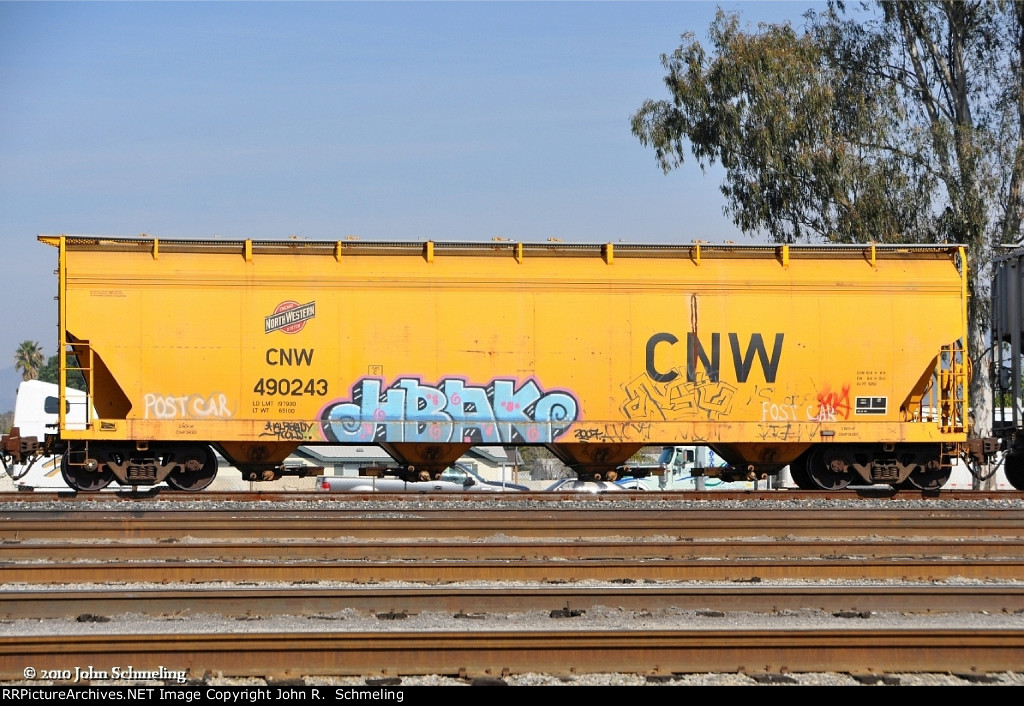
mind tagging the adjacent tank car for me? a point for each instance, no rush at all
(1008, 354)
(845, 363)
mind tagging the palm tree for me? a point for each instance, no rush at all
(29, 359)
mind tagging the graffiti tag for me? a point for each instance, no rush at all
(702, 398)
(452, 410)
(291, 431)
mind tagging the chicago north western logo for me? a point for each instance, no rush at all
(289, 317)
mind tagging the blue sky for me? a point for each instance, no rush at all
(381, 120)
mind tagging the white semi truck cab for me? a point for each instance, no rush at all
(683, 468)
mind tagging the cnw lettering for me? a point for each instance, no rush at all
(289, 356)
(742, 360)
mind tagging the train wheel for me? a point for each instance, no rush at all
(798, 472)
(926, 480)
(200, 468)
(78, 477)
(1013, 466)
(821, 473)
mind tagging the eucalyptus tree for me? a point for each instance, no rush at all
(888, 122)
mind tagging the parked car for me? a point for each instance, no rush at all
(630, 483)
(456, 479)
(574, 485)
(460, 473)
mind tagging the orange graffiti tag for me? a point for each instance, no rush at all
(833, 405)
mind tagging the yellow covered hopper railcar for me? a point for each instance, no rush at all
(845, 363)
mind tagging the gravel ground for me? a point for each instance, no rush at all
(592, 619)
(509, 501)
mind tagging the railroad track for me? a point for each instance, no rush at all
(407, 550)
(167, 496)
(559, 601)
(538, 572)
(283, 655)
(598, 587)
(682, 523)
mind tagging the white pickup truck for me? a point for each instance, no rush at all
(456, 479)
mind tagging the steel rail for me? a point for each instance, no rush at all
(473, 601)
(375, 523)
(467, 653)
(823, 568)
(592, 550)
